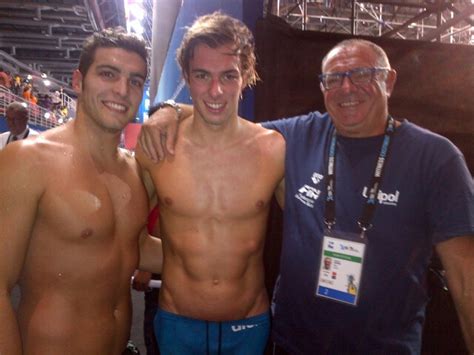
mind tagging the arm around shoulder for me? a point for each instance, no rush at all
(158, 134)
(457, 257)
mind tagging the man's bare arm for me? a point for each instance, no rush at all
(457, 257)
(280, 194)
(158, 134)
(20, 191)
(151, 253)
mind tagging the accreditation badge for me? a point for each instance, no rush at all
(340, 267)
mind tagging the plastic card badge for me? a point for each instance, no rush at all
(340, 268)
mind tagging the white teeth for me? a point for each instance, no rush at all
(349, 104)
(214, 106)
(115, 106)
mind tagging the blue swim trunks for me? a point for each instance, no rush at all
(178, 335)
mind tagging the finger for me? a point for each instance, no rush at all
(172, 135)
(159, 146)
(143, 142)
(150, 150)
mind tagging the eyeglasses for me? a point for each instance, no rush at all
(357, 76)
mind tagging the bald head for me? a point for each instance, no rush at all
(17, 117)
(381, 59)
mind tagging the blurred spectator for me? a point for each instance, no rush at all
(5, 79)
(16, 88)
(17, 121)
(28, 94)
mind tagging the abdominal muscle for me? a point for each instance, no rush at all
(214, 271)
(77, 320)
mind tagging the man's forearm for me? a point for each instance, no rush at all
(456, 256)
(151, 254)
(10, 340)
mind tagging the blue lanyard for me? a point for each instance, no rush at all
(370, 203)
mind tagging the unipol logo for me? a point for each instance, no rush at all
(383, 197)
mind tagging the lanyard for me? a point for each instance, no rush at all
(370, 203)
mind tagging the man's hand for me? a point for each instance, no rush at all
(141, 280)
(158, 134)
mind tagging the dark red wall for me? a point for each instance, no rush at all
(435, 85)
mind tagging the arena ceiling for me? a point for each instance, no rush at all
(46, 35)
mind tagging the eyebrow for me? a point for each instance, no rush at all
(229, 71)
(117, 70)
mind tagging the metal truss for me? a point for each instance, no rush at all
(447, 21)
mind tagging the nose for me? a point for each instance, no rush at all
(347, 84)
(121, 86)
(215, 88)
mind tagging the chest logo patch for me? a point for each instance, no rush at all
(307, 193)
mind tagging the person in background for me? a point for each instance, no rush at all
(16, 116)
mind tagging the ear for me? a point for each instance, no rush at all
(77, 81)
(390, 81)
(322, 87)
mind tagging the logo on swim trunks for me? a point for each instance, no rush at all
(383, 197)
(238, 328)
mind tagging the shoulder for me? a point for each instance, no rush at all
(128, 158)
(426, 141)
(144, 162)
(33, 153)
(310, 119)
(269, 141)
(33, 133)
(23, 166)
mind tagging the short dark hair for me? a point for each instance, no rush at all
(215, 30)
(113, 37)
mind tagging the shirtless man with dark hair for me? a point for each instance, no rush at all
(72, 207)
(214, 198)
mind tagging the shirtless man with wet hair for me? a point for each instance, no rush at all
(214, 198)
(72, 207)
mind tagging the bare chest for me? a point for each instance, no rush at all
(237, 183)
(83, 203)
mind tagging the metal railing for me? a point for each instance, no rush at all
(38, 116)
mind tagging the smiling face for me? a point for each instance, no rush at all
(358, 110)
(111, 91)
(215, 82)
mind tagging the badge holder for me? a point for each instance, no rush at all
(340, 266)
(342, 254)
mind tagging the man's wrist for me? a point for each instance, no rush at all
(167, 103)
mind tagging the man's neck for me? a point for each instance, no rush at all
(21, 134)
(214, 134)
(100, 143)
